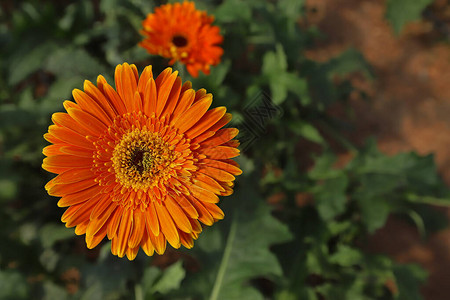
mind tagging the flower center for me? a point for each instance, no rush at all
(179, 41)
(141, 158)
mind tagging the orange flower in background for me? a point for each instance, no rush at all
(182, 33)
(141, 165)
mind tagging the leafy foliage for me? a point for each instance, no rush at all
(311, 244)
(400, 12)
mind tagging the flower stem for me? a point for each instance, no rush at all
(224, 263)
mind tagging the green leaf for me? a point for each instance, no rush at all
(347, 62)
(409, 279)
(31, 61)
(400, 12)
(346, 256)
(245, 254)
(374, 212)
(331, 197)
(170, 279)
(13, 285)
(52, 233)
(307, 130)
(291, 8)
(53, 291)
(274, 68)
(233, 10)
(76, 62)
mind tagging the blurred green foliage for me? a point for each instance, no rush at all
(313, 250)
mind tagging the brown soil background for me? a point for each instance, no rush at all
(409, 107)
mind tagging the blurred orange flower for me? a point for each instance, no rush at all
(182, 33)
(141, 165)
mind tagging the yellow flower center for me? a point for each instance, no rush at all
(141, 158)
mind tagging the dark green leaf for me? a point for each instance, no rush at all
(400, 12)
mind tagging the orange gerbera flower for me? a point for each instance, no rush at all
(182, 33)
(142, 165)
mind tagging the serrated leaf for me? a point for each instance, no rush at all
(245, 255)
(400, 12)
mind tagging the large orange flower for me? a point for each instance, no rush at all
(142, 165)
(182, 33)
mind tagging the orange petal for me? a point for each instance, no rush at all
(52, 150)
(65, 120)
(203, 214)
(178, 215)
(146, 244)
(186, 239)
(88, 104)
(126, 84)
(87, 121)
(214, 210)
(167, 226)
(79, 197)
(100, 98)
(151, 219)
(74, 175)
(138, 229)
(221, 136)
(193, 114)
(137, 102)
(217, 164)
(132, 253)
(221, 152)
(70, 212)
(145, 77)
(210, 118)
(203, 195)
(164, 88)
(173, 98)
(72, 150)
(123, 232)
(70, 137)
(186, 206)
(81, 228)
(216, 174)
(70, 188)
(114, 222)
(159, 242)
(67, 161)
(186, 86)
(82, 214)
(93, 240)
(98, 220)
(186, 100)
(207, 182)
(150, 97)
(113, 97)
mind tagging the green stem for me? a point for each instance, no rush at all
(224, 263)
